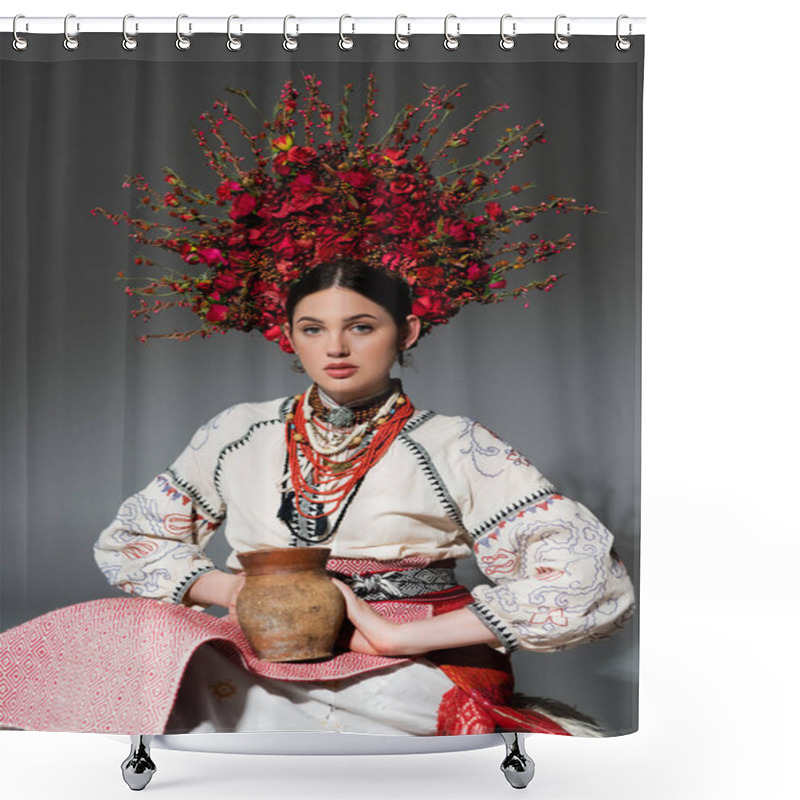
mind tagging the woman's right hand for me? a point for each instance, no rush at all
(235, 589)
(216, 588)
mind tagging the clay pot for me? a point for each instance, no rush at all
(288, 608)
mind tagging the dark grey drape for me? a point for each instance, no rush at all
(89, 414)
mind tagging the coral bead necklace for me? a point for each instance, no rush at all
(332, 480)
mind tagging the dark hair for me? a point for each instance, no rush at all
(387, 290)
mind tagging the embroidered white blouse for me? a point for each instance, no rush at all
(447, 487)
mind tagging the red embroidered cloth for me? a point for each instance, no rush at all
(115, 665)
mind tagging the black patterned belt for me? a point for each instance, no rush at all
(399, 584)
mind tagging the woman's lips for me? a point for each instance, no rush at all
(340, 372)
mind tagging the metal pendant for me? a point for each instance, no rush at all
(341, 417)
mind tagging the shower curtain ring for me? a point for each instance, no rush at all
(70, 42)
(182, 43)
(451, 40)
(622, 43)
(233, 43)
(289, 43)
(129, 42)
(19, 43)
(507, 41)
(345, 42)
(401, 42)
(560, 42)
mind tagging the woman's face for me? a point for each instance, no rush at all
(336, 327)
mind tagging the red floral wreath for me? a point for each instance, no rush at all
(286, 206)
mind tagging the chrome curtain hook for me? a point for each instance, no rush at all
(19, 43)
(507, 42)
(129, 42)
(70, 42)
(401, 42)
(560, 42)
(622, 43)
(233, 43)
(289, 43)
(345, 42)
(182, 43)
(451, 40)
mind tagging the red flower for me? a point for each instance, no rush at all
(431, 306)
(287, 247)
(477, 271)
(402, 184)
(285, 345)
(281, 165)
(495, 211)
(217, 313)
(459, 229)
(395, 156)
(301, 155)
(273, 332)
(243, 205)
(302, 194)
(227, 282)
(431, 276)
(226, 189)
(212, 256)
(357, 178)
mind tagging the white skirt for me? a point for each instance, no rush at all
(216, 695)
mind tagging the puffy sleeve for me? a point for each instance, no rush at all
(154, 546)
(555, 579)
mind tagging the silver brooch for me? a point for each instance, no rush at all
(341, 417)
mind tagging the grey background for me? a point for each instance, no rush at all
(89, 414)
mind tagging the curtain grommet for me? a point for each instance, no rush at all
(70, 42)
(561, 42)
(234, 43)
(129, 42)
(289, 42)
(181, 42)
(622, 44)
(507, 41)
(19, 43)
(401, 42)
(345, 42)
(451, 41)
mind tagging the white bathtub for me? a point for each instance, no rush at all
(320, 743)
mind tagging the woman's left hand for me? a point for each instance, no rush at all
(373, 633)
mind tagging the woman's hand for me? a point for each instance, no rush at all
(216, 588)
(236, 587)
(377, 635)
(373, 633)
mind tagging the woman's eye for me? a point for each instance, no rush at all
(310, 329)
(363, 325)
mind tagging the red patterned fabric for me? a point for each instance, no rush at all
(369, 566)
(481, 700)
(115, 665)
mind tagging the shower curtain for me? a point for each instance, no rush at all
(118, 369)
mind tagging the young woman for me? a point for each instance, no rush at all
(439, 488)
(398, 494)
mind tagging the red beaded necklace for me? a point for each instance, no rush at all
(326, 470)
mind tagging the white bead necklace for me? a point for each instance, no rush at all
(334, 441)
